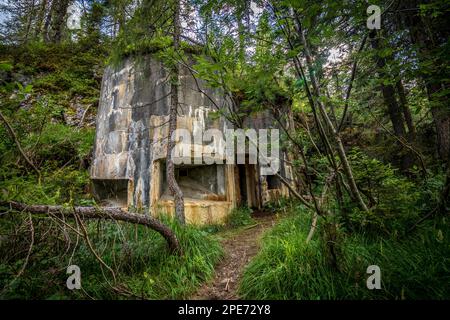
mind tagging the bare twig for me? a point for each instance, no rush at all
(91, 248)
(102, 213)
(27, 259)
(19, 146)
(84, 116)
(403, 143)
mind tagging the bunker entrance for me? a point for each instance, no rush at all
(111, 193)
(273, 182)
(247, 186)
(200, 182)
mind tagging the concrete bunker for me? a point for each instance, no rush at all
(128, 169)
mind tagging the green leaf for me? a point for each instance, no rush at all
(6, 67)
(28, 89)
(299, 83)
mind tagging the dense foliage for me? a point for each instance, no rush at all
(365, 125)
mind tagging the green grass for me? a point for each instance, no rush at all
(138, 255)
(239, 217)
(417, 267)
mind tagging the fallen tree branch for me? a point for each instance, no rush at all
(116, 214)
(80, 125)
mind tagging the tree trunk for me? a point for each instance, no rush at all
(388, 91)
(441, 117)
(41, 18)
(174, 188)
(406, 112)
(427, 42)
(394, 110)
(31, 16)
(59, 14)
(48, 20)
(116, 214)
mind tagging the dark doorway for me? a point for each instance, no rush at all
(111, 193)
(248, 187)
(243, 184)
(273, 182)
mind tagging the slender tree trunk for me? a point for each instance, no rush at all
(48, 21)
(349, 88)
(406, 112)
(335, 134)
(441, 117)
(59, 15)
(41, 18)
(174, 188)
(395, 111)
(388, 91)
(31, 16)
(122, 18)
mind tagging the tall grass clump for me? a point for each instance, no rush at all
(168, 276)
(416, 267)
(139, 257)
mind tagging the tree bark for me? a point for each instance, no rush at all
(174, 188)
(388, 91)
(406, 112)
(48, 20)
(40, 19)
(116, 214)
(429, 35)
(60, 11)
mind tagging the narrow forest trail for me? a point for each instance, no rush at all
(240, 246)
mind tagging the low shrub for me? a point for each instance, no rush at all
(240, 217)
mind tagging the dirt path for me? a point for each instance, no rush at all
(240, 247)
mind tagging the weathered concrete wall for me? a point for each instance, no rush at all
(113, 121)
(132, 122)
